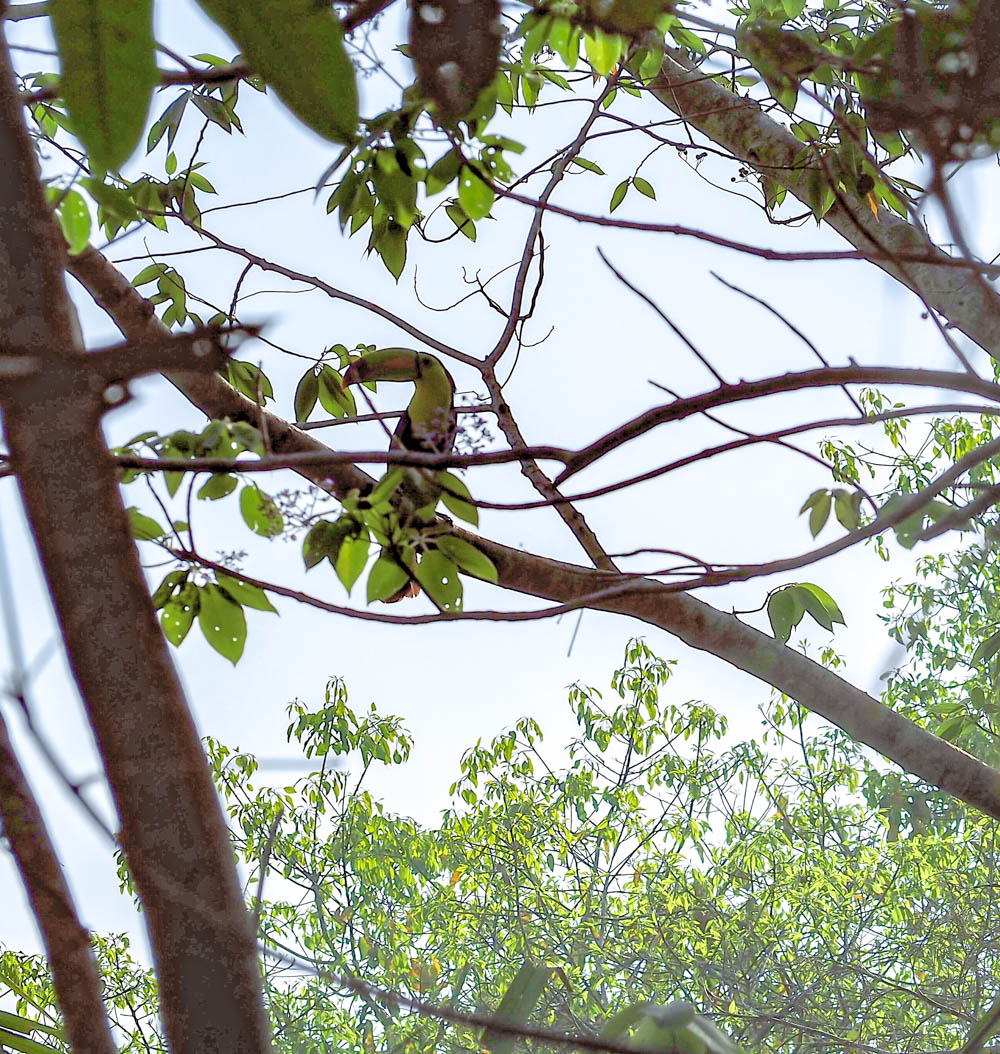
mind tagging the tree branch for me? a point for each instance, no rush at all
(697, 624)
(67, 943)
(740, 126)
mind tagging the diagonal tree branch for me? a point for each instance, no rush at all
(67, 944)
(742, 128)
(696, 623)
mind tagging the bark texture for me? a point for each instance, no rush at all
(67, 943)
(172, 828)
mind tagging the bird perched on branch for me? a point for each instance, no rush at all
(428, 426)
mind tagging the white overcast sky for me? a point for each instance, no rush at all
(453, 684)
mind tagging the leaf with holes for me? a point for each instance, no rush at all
(439, 577)
(179, 612)
(324, 540)
(468, 557)
(222, 622)
(173, 581)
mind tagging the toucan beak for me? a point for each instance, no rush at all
(354, 373)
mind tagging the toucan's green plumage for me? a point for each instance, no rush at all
(428, 425)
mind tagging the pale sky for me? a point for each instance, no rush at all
(453, 684)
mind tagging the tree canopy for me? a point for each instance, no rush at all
(864, 118)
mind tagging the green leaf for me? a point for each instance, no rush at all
(455, 495)
(179, 612)
(385, 579)
(22, 1043)
(250, 380)
(618, 195)
(222, 622)
(260, 513)
(324, 540)
(247, 436)
(644, 187)
(244, 593)
(391, 247)
(337, 400)
(106, 52)
(590, 166)
(16, 1023)
(215, 110)
(74, 219)
(603, 50)
(468, 557)
(784, 611)
(847, 508)
(457, 216)
(820, 513)
(169, 121)
(439, 578)
(306, 395)
(216, 487)
(652, 61)
(474, 195)
(144, 528)
(173, 581)
(442, 172)
(818, 603)
(386, 486)
(278, 37)
(519, 1001)
(149, 274)
(986, 650)
(351, 559)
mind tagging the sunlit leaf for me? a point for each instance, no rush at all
(385, 579)
(250, 596)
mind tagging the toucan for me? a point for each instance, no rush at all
(428, 426)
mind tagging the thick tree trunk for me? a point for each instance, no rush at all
(172, 827)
